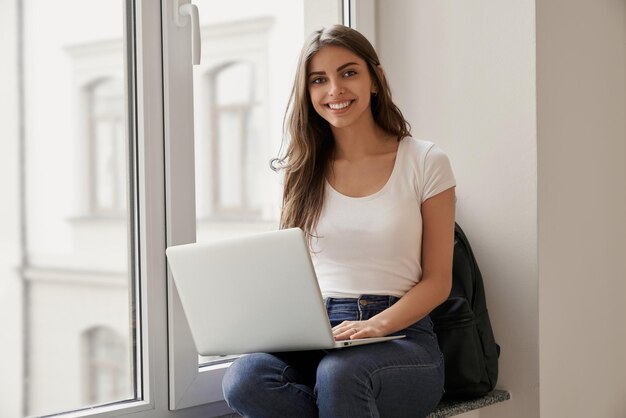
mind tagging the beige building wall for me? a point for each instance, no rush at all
(581, 137)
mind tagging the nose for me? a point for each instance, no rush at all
(336, 88)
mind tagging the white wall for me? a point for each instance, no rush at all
(464, 75)
(10, 284)
(581, 113)
(530, 105)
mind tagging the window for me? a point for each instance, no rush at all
(231, 105)
(70, 152)
(105, 365)
(234, 134)
(107, 147)
(99, 122)
(98, 150)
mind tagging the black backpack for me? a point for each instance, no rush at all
(463, 329)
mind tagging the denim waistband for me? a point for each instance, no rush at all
(379, 301)
(357, 309)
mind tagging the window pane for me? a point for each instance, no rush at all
(66, 263)
(106, 115)
(233, 84)
(241, 89)
(249, 53)
(230, 186)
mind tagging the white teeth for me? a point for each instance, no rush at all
(339, 106)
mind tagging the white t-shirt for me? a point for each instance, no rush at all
(372, 245)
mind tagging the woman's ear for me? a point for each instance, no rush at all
(381, 76)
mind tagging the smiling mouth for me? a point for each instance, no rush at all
(340, 106)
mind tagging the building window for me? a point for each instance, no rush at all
(105, 365)
(234, 139)
(107, 153)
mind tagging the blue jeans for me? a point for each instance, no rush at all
(399, 378)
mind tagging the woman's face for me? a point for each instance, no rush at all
(340, 86)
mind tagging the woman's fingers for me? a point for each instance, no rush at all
(352, 330)
(347, 334)
(344, 330)
(363, 333)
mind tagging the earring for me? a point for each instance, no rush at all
(374, 93)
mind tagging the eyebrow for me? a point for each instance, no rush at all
(341, 67)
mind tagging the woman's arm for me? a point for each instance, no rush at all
(436, 282)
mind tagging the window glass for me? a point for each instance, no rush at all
(66, 253)
(106, 365)
(106, 136)
(233, 84)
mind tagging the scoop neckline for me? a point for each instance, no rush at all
(380, 191)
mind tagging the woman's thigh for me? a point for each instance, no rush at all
(400, 378)
(413, 354)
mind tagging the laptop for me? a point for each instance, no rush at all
(257, 293)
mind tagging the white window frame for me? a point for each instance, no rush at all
(361, 15)
(151, 358)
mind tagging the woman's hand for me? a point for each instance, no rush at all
(350, 330)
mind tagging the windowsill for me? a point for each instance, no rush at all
(449, 408)
(452, 408)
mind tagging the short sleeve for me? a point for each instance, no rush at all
(438, 175)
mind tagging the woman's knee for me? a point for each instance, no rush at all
(336, 372)
(248, 374)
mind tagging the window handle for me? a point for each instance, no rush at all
(182, 9)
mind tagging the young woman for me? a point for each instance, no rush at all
(378, 207)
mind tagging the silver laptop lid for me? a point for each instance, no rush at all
(251, 294)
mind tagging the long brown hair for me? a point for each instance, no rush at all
(309, 137)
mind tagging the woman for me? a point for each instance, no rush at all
(378, 207)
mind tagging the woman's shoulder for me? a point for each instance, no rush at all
(418, 148)
(430, 166)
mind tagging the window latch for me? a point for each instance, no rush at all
(182, 10)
